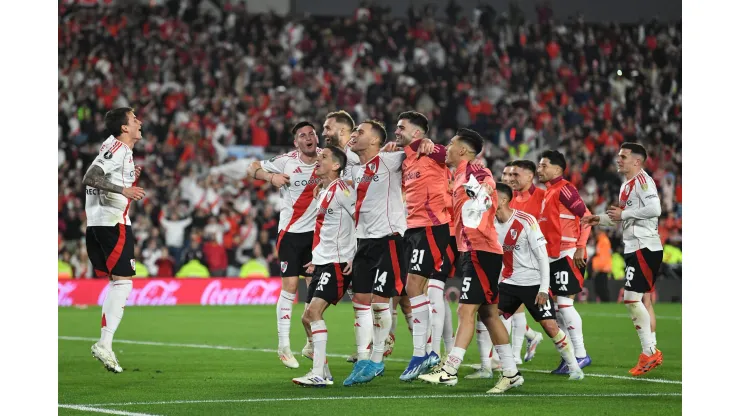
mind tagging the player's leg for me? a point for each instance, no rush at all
(415, 289)
(566, 281)
(363, 273)
(489, 359)
(647, 300)
(448, 332)
(438, 309)
(447, 373)
(510, 377)
(119, 265)
(307, 350)
(641, 267)
(290, 267)
(518, 329)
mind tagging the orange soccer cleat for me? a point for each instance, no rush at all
(647, 363)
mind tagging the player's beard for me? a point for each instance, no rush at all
(332, 140)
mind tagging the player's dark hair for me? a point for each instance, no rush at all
(555, 157)
(526, 164)
(505, 189)
(378, 129)
(511, 163)
(338, 156)
(343, 117)
(300, 125)
(116, 118)
(471, 138)
(415, 118)
(636, 148)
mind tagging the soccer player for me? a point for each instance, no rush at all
(338, 127)
(481, 260)
(638, 212)
(525, 277)
(110, 188)
(527, 198)
(427, 237)
(333, 248)
(559, 223)
(294, 174)
(379, 273)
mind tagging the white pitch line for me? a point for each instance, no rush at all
(227, 348)
(405, 397)
(88, 408)
(624, 315)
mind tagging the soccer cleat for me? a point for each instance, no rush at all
(107, 357)
(481, 373)
(646, 363)
(286, 356)
(370, 371)
(584, 362)
(562, 368)
(532, 346)
(308, 350)
(353, 377)
(414, 368)
(390, 342)
(576, 375)
(310, 380)
(432, 360)
(507, 383)
(439, 376)
(352, 358)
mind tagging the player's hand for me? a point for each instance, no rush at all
(348, 268)
(309, 267)
(614, 213)
(137, 172)
(426, 147)
(591, 220)
(279, 179)
(134, 193)
(541, 299)
(390, 147)
(580, 258)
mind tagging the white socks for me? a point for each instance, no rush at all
(448, 335)
(420, 312)
(574, 325)
(507, 323)
(454, 359)
(319, 336)
(518, 328)
(485, 345)
(437, 305)
(115, 301)
(363, 330)
(381, 328)
(529, 333)
(641, 320)
(563, 344)
(284, 312)
(507, 360)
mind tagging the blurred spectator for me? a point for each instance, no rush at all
(193, 268)
(256, 266)
(65, 268)
(214, 255)
(174, 232)
(165, 264)
(601, 264)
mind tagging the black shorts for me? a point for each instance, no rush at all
(450, 267)
(378, 268)
(328, 283)
(641, 269)
(111, 250)
(513, 296)
(565, 278)
(425, 248)
(480, 271)
(294, 250)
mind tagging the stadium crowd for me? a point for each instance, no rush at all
(204, 78)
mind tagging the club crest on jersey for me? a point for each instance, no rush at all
(513, 234)
(329, 195)
(133, 264)
(108, 154)
(283, 266)
(373, 167)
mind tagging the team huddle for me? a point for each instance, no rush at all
(392, 220)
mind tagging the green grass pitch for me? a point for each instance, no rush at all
(221, 360)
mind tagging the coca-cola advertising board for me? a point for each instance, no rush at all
(157, 292)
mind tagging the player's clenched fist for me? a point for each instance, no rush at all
(134, 193)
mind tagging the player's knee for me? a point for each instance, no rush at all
(363, 298)
(305, 318)
(632, 297)
(290, 284)
(313, 313)
(466, 313)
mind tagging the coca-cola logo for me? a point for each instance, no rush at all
(64, 291)
(155, 292)
(254, 292)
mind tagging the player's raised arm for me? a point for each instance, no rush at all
(269, 170)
